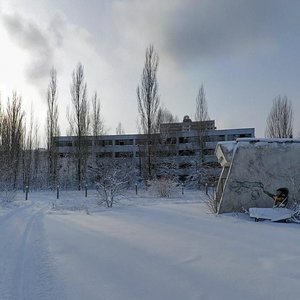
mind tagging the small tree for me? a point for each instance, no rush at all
(164, 116)
(111, 178)
(164, 186)
(280, 119)
(120, 130)
(211, 202)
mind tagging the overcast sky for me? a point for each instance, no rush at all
(244, 52)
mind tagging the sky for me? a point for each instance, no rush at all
(245, 53)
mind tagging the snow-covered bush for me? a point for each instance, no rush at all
(7, 191)
(211, 200)
(163, 187)
(7, 196)
(111, 177)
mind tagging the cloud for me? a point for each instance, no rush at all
(38, 42)
(34, 41)
(204, 29)
(193, 30)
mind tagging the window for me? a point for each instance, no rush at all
(220, 138)
(123, 142)
(185, 166)
(104, 143)
(63, 144)
(171, 141)
(186, 127)
(183, 140)
(104, 154)
(186, 152)
(209, 151)
(124, 154)
(140, 141)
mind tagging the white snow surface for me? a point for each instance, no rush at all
(144, 248)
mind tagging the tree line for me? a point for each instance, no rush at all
(23, 164)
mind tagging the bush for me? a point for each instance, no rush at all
(164, 187)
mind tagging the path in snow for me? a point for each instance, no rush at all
(26, 270)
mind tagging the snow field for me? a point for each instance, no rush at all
(145, 248)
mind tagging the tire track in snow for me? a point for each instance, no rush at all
(10, 232)
(19, 273)
(27, 272)
(5, 218)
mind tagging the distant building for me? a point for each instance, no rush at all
(181, 149)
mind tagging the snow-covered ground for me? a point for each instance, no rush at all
(145, 248)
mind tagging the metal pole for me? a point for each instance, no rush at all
(26, 192)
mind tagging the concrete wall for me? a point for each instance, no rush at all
(257, 165)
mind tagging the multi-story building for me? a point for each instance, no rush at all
(180, 149)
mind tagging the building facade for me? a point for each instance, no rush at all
(180, 149)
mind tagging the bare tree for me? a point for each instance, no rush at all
(39, 171)
(27, 153)
(148, 99)
(164, 116)
(12, 131)
(96, 119)
(166, 152)
(35, 165)
(97, 123)
(120, 130)
(201, 106)
(147, 92)
(111, 177)
(201, 116)
(280, 119)
(79, 121)
(52, 127)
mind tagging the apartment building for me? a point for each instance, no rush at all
(180, 149)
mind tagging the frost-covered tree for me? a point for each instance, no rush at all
(201, 113)
(79, 121)
(111, 177)
(201, 117)
(97, 122)
(120, 130)
(28, 153)
(164, 186)
(280, 119)
(164, 116)
(12, 136)
(147, 92)
(148, 101)
(52, 127)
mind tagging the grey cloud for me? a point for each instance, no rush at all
(206, 29)
(35, 41)
(58, 27)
